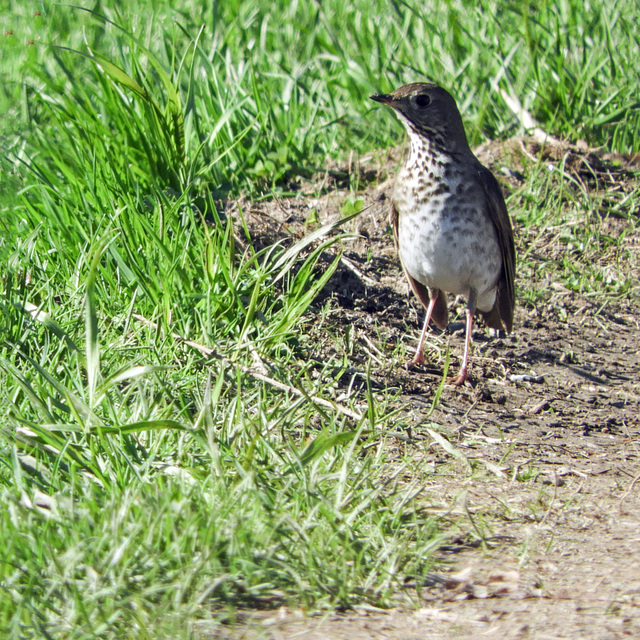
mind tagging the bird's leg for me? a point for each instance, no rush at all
(471, 309)
(419, 357)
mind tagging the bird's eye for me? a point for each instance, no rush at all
(423, 100)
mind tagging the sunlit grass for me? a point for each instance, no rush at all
(167, 451)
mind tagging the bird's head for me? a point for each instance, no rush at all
(429, 111)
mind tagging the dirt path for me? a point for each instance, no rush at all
(552, 416)
(574, 575)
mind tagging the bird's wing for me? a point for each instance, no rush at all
(497, 210)
(440, 313)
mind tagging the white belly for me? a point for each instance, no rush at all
(449, 249)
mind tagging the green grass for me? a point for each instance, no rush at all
(147, 488)
(567, 234)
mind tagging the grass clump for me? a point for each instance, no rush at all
(184, 522)
(158, 487)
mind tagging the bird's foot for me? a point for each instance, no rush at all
(419, 359)
(460, 379)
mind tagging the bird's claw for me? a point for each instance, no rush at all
(419, 359)
(460, 379)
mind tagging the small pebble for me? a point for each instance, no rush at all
(525, 378)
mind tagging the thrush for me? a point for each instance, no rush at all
(449, 218)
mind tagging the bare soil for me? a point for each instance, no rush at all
(552, 542)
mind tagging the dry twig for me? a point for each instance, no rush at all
(212, 353)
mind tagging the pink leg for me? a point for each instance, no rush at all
(419, 357)
(462, 376)
(471, 309)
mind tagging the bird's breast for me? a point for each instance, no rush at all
(445, 238)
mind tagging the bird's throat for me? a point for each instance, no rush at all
(426, 154)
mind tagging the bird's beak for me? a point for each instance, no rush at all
(384, 98)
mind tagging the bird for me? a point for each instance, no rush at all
(449, 218)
